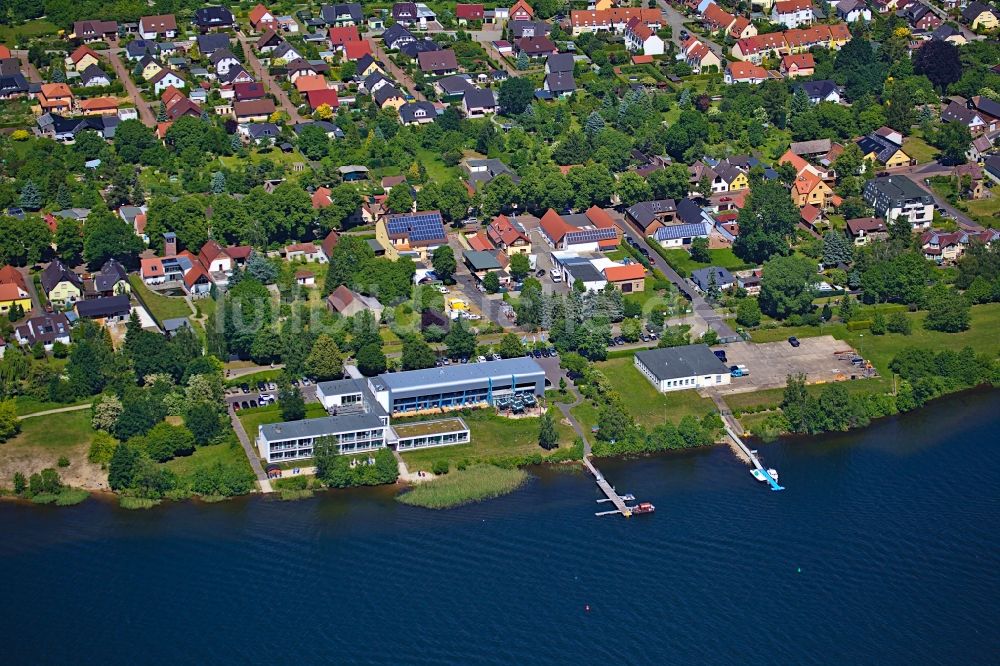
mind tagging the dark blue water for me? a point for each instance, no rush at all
(883, 550)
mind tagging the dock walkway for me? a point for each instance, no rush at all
(607, 489)
(742, 451)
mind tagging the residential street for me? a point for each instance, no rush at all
(270, 85)
(401, 77)
(145, 112)
(676, 20)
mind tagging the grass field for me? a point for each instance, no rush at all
(10, 35)
(251, 379)
(492, 436)
(161, 307)
(251, 418)
(475, 484)
(682, 262)
(986, 211)
(919, 149)
(647, 406)
(43, 440)
(227, 453)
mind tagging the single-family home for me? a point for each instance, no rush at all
(698, 56)
(590, 231)
(45, 329)
(160, 26)
(253, 110)
(715, 18)
(62, 286)
(417, 113)
(851, 11)
(348, 303)
(55, 98)
(95, 31)
(396, 36)
(222, 60)
(981, 17)
(819, 91)
(706, 278)
(508, 236)
(213, 18)
(535, 47)
(466, 14)
(884, 148)
(94, 77)
(82, 58)
(165, 78)
(411, 234)
(305, 251)
(387, 96)
(863, 230)
(520, 11)
(13, 290)
(261, 19)
(648, 216)
(963, 115)
(438, 63)
(744, 72)
(559, 84)
(477, 102)
(347, 13)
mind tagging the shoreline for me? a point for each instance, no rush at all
(403, 486)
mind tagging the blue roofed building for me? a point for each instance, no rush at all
(414, 235)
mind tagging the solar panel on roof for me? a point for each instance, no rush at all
(591, 235)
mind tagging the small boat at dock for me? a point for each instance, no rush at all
(643, 507)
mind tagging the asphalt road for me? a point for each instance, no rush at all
(270, 85)
(676, 21)
(146, 114)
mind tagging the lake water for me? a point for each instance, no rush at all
(883, 549)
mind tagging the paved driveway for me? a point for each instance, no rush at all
(676, 20)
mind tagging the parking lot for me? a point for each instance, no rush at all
(770, 363)
(238, 399)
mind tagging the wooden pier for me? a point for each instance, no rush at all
(739, 448)
(612, 494)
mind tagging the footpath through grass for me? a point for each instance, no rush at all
(475, 484)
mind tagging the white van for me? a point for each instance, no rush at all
(556, 275)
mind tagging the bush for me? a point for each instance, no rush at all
(440, 467)
(899, 323)
(63, 461)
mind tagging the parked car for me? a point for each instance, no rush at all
(245, 387)
(481, 359)
(794, 341)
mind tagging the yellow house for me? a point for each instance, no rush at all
(414, 235)
(13, 290)
(62, 285)
(881, 150)
(370, 69)
(740, 182)
(150, 69)
(392, 101)
(82, 58)
(981, 17)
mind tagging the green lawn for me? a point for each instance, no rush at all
(262, 376)
(10, 35)
(228, 453)
(919, 149)
(251, 418)
(682, 262)
(161, 307)
(55, 432)
(492, 436)
(648, 406)
(986, 211)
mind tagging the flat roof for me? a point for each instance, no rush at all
(451, 374)
(678, 362)
(342, 386)
(425, 428)
(327, 425)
